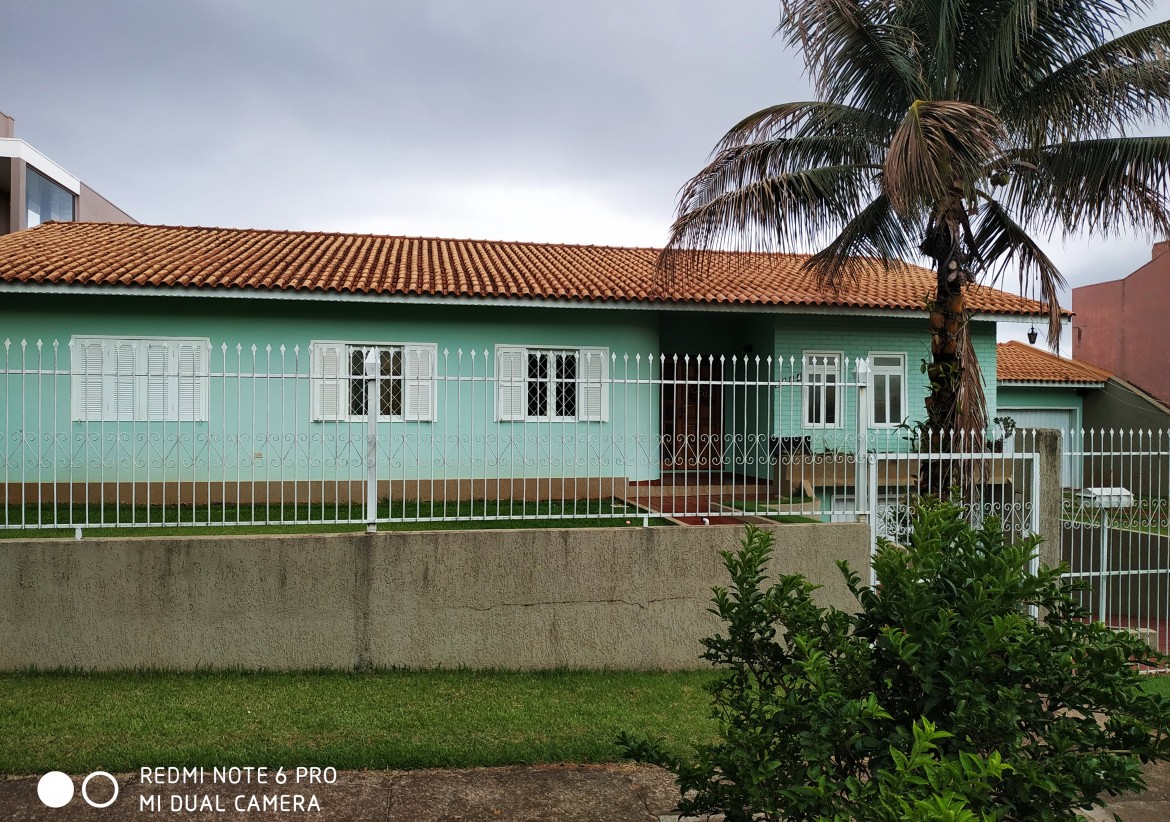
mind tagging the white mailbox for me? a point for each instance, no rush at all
(1107, 497)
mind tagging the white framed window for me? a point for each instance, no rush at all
(406, 386)
(822, 388)
(887, 389)
(135, 379)
(552, 384)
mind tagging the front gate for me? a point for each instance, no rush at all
(987, 484)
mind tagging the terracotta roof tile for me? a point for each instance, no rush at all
(93, 255)
(1017, 362)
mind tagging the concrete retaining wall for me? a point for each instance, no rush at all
(631, 598)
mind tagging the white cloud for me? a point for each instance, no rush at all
(555, 212)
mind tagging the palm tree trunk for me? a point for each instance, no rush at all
(948, 314)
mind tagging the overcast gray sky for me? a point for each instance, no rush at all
(497, 119)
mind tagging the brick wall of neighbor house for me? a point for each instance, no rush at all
(1121, 325)
(633, 598)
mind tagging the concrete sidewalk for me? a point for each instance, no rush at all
(565, 793)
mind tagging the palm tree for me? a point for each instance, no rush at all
(954, 129)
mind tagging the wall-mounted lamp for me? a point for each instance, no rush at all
(1032, 335)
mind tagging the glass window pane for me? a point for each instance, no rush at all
(814, 406)
(566, 366)
(46, 200)
(390, 362)
(896, 398)
(566, 399)
(391, 400)
(880, 408)
(820, 377)
(357, 397)
(537, 399)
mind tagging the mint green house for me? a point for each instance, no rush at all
(213, 359)
(1041, 390)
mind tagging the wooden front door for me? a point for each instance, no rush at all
(692, 417)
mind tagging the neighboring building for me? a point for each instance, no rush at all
(1088, 405)
(1122, 325)
(35, 190)
(1042, 390)
(566, 360)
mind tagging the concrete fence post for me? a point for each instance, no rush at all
(1049, 448)
(372, 367)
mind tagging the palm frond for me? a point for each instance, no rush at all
(939, 25)
(999, 43)
(855, 51)
(785, 161)
(807, 119)
(760, 212)
(737, 165)
(972, 400)
(938, 142)
(1106, 91)
(1094, 186)
(876, 233)
(1010, 44)
(1005, 243)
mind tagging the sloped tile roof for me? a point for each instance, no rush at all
(1017, 362)
(95, 255)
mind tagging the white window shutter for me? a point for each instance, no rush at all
(120, 375)
(86, 365)
(192, 381)
(510, 383)
(593, 385)
(159, 375)
(420, 388)
(328, 371)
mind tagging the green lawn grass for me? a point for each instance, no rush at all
(391, 719)
(394, 719)
(219, 519)
(1158, 684)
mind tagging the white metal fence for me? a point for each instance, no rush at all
(145, 433)
(1115, 522)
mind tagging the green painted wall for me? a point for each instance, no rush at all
(1012, 396)
(857, 338)
(276, 440)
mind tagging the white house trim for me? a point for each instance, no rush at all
(19, 149)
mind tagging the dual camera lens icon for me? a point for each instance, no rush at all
(55, 789)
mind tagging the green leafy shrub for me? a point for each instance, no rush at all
(941, 698)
